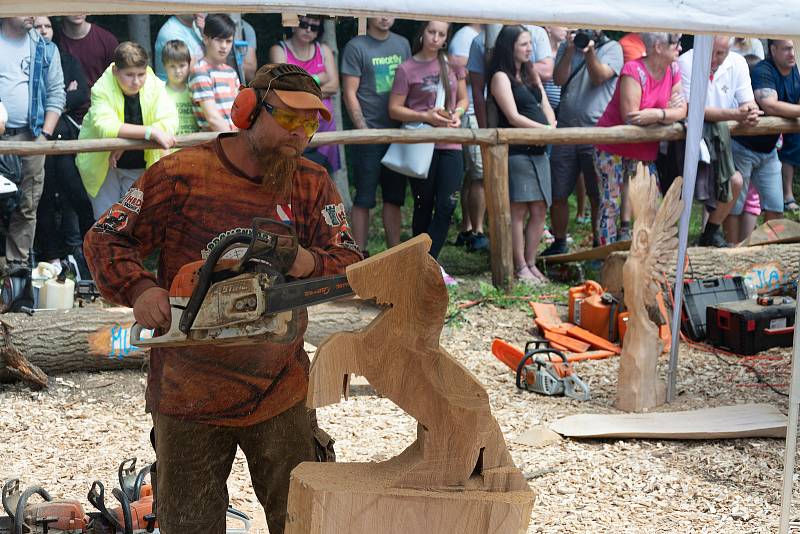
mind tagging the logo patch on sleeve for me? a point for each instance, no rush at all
(133, 200)
(334, 214)
(114, 221)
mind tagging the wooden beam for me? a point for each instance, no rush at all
(362, 25)
(290, 19)
(498, 206)
(482, 136)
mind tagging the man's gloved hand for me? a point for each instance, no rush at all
(152, 309)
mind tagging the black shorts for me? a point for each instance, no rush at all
(566, 163)
(368, 173)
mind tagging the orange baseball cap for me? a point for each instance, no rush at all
(293, 85)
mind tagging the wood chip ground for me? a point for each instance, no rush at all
(85, 424)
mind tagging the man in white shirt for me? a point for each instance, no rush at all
(729, 97)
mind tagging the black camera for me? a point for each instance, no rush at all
(582, 38)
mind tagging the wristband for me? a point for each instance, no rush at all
(315, 78)
(663, 115)
(147, 132)
(460, 111)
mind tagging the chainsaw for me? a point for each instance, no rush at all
(239, 294)
(548, 377)
(134, 514)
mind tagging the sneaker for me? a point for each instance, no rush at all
(463, 238)
(449, 281)
(557, 247)
(716, 240)
(478, 242)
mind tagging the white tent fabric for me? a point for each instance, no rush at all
(738, 17)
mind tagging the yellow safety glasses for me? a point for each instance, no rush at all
(291, 121)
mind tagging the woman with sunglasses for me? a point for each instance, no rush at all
(648, 94)
(417, 82)
(303, 48)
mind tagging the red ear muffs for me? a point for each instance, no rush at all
(245, 108)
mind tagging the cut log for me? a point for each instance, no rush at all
(79, 339)
(94, 338)
(766, 266)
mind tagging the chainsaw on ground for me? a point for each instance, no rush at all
(134, 513)
(547, 376)
(239, 294)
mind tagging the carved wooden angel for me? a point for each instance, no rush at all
(652, 250)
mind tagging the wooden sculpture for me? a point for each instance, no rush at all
(458, 475)
(652, 251)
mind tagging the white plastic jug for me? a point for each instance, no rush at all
(59, 295)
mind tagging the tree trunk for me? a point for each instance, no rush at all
(67, 340)
(767, 267)
(94, 339)
(139, 32)
(340, 176)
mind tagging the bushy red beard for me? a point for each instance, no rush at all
(277, 168)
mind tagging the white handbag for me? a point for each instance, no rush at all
(413, 159)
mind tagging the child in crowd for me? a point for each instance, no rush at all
(176, 59)
(214, 84)
(130, 102)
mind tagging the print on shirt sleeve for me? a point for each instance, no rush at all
(335, 216)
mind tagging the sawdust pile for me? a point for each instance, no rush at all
(86, 424)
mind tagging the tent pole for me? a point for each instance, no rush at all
(701, 66)
(791, 430)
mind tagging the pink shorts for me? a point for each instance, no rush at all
(752, 204)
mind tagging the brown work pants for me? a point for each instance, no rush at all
(195, 459)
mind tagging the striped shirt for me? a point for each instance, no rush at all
(219, 83)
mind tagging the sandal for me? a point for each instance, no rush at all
(791, 205)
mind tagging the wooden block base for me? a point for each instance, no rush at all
(356, 498)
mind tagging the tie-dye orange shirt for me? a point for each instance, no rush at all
(180, 205)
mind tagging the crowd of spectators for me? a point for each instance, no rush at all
(74, 80)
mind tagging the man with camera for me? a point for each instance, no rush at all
(587, 67)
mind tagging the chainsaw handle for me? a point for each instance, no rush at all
(19, 515)
(593, 288)
(96, 497)
(136, 334)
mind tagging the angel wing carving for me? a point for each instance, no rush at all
(655, 232)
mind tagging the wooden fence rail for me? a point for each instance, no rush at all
(494, 147)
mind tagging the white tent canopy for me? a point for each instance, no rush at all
(735, 17)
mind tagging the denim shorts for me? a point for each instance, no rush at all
(764, 170)
(368, 173)
(566, 163)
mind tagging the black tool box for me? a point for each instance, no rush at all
(699, 294)
(750, 326)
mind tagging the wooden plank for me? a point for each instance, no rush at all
(498, 207)
(597, 253)
(570, 343)
(774, 232)
(595, 341)
(725, 422)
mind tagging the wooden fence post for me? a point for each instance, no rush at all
(495, 181)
